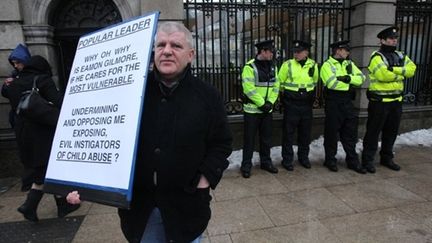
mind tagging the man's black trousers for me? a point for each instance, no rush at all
(341, 121)
(297, 116)
(384, 118)
(253, 123)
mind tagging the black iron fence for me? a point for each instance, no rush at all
(414, 18)
(225, 33)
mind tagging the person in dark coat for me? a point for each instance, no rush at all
(183, 147)
(184, 144)
(34, 139)
(18, 58)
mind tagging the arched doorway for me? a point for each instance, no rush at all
(73, 19)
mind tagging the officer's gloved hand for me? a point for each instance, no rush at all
(346, 78)
(266, 108)
(349, 68)
(311, 71)
(390, 68)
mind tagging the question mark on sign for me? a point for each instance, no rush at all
(116, 155)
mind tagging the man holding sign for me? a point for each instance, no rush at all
(183, 147)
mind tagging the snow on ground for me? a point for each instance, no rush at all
(421, 137)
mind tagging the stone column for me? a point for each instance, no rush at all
(39, 39)
(10, 34)
(170, 10)
(10, 31)
(367, 19)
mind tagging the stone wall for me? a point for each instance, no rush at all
(413, 118)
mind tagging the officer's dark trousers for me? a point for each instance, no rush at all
(297, 115)
(253, 123)
(384, 118)
(340, 121)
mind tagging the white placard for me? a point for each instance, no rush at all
(96, 137)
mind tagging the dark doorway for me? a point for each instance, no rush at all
(73, 19)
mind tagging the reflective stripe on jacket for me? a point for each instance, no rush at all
(389, 83)
(294, 77)
(256, 90)
(332, 68)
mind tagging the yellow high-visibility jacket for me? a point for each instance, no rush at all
(294, 77)
(385, 83)
(256, 90)
(332, 68)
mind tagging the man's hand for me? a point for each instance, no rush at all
(346, 79)
(73, 198)
(311, 71)
(203, 182)
(349, 68)
(8, 81)
(266, 108)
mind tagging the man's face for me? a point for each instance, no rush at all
(301, 55)
(390, 41)
(17, 65)
(172, 54)
(267, 54)
(342, 53)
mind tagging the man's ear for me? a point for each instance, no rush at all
(191, 55)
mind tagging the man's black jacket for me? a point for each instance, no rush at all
(183, 135)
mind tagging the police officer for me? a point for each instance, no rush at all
(388, 68)
(261, 89)
(298, 77)
(339, 74)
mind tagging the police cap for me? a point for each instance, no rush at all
(299, 45)
(388, 32)
(341, 44)
(267, 44)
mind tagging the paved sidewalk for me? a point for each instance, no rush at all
(313, 205)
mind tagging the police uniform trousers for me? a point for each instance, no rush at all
(384, 118)
(297, 115)
(262, 123)
(341, 122)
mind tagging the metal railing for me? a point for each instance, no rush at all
(225, 33)
(414, 18)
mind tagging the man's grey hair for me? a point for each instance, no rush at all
(171, 27)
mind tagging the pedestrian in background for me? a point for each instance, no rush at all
(298, 78)
(260, 91)
(18, 58)
(388, 69)
(34, 138)
(339, 75)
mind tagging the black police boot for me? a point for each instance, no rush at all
(369, 167)
(391, 165)
(331, 166)
(245, 174)
(245, 169)
(288, 165)
(63, 207)
(29, 207)
(269, 167)
(357, 167)
(305, 163)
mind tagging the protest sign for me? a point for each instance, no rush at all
(95, 143)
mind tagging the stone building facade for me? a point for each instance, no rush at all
(51, 28)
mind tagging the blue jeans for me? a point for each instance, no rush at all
(155, 231)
